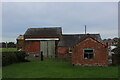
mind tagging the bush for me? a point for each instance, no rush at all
(13, 57)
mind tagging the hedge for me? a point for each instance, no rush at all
(13, 57)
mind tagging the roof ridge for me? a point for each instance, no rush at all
(80, 34)
(45, 28)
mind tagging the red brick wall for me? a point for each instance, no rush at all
(63, 51)
(32, 46)
(100, 53)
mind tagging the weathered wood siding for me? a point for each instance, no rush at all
(51, 48)
(48, 48)
(43, 47)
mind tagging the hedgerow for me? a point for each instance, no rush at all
(13, 57)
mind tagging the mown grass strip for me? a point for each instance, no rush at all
(54, 69)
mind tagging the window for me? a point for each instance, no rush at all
(70, 51)
(88, 53)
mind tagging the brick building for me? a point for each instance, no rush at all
(45, 40)
(89, 51)
(85, 49)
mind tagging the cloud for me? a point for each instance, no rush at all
(99, 17)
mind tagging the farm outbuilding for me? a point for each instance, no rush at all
(84, 49)
(89, 51)
(69, 40)
(43, 40)
(20, 42)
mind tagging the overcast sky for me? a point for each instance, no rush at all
(100, 17)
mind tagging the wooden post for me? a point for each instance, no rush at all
(6, 46)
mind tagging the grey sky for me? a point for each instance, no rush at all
(100, 17)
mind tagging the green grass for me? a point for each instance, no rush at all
(9, 49)
(52, 69)
(0, 72)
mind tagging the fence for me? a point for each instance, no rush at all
(36, 56)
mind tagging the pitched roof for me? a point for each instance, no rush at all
(94, 36)
(69, 40)
(54, 31)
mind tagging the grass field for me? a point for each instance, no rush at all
(9, 49)
(0, 72)
(52, 69)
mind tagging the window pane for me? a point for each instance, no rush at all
(90, 56)
(86, 56)
(88, 53)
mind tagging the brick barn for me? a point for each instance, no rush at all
(45, 40)
(85, 49)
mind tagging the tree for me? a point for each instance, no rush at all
(118, 47)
